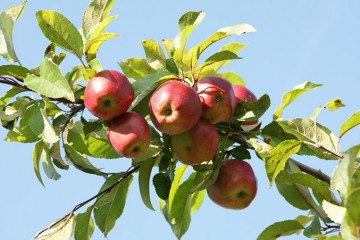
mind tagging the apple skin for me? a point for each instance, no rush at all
(244, 94)
(129, 134)
(217, 98)
(197, 145)
(174, 107)
(108, 94)
(235, 186)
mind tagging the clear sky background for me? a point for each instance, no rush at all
(296, 41)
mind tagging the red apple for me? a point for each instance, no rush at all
(197, 145)
(244, 94)
(129, 134)
(235, 186)
(108, 94)
(174, 107)
(217, 98)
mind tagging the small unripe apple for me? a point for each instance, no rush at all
(244, 94)
(174, 107)
(235, 186)
(108, 94)
(129, 134)
(217, 98)
(197, 145)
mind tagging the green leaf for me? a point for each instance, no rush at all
(318, 138)
(14, 71)
(62, 230)
(9, 94)
(187, 23)
(232, 78)
(84, 228)
(8, 19)
(309, 181)
(48, 165)
(180, 208)
(195, 52)
(51, 82)
(350, 123)
(80, 161)
(92, 46)
(314, 229)
(278, 229)
(60, 31)
(41, 126)
(353, 208)
(36, 156)
(144, 86)
(95, 13)
(162, 184)
(277, 158)
(136, 68)
(144, 179)
(109, 207)
(154, 54)
(293, 194)
(179, 174)
(262, 149)
(221, 56)
(232, 47)
(55, 153)
(197, 200)
(290, 96)
(342, 175)
(252, 110)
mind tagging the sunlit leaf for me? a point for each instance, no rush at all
(154, 54)
(352, 207)
(277, 158)
(335, 213)
(95, 13)
(92, 47)
(62, 230)
(334, 104)
(233, 78)
(317, 137)
(179, 174)
(110, 206)
(59, 30)
(136, 68)
(8, 19)
(350, 123)
(292, 95)
(279, 229)
(51, 82)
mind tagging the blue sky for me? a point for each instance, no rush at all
(296, 41)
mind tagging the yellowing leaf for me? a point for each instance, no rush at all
(60, 230)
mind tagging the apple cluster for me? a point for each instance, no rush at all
(188, 114)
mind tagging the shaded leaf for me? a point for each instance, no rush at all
(51, 82)
(14, 71)
(48, 165)
(60, 31)
(292, 194)
(162, 184)
(84, 228)
(352, 208)
(314, 229)
(144, 180)
(109, 207)
(36, 156)
(292, 95)
(308, 181)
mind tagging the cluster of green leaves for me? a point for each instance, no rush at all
(62, 136)
(329, 212)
